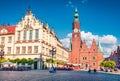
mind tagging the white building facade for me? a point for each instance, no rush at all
(30, 39)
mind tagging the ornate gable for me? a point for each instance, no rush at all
(84, 47)
(28, 22)
(3, 31)
(94, 47)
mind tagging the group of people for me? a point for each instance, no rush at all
(106, 69)
(94, 70)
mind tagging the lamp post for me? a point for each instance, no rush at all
(1, 54)
(52, 69)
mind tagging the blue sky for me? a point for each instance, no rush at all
(97, 17)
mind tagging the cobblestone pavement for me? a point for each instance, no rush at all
(44, 75)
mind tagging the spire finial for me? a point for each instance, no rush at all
(76, 10)
(28, 7)
(28, 11)
(76, 15)
(100, 49)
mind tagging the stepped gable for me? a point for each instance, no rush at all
(94, 47)
(84, 47)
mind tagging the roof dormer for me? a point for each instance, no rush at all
(3, 31)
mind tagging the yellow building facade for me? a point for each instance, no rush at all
(30, 38)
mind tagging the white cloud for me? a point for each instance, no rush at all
(70, 4)
(74, 5)
(88, 36)
(108, 42)
(108, 39)
(69, 35)
(65, 42)
(108, 49)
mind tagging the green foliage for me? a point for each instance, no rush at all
(30, 61)
(13, 61)
(61, 62)
(17, 60)
(49, 60)
(3, 60)
(23, 61)
(56, 61)
(109, 64)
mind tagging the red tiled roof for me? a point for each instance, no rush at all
(10, 29)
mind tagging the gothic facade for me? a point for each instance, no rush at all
(80, 54)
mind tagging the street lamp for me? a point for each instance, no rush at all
(1, 54)
(52, 69)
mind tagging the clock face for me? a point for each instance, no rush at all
(76, 30)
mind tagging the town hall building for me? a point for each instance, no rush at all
(80, 54)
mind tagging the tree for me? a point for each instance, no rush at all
(61, 62)
(17, 60)
(30, 61)
(13, 61)
(49, 60)
(109, 64)
(2, 60)
(23, 61)
(112, 64)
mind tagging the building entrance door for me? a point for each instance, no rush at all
(35, 65)
(86, 66)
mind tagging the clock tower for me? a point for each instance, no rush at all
(76, 38)
(80, 55)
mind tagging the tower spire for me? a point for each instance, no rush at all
(28, 7)
(99, 47)
(28, 11)
(76, 15)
